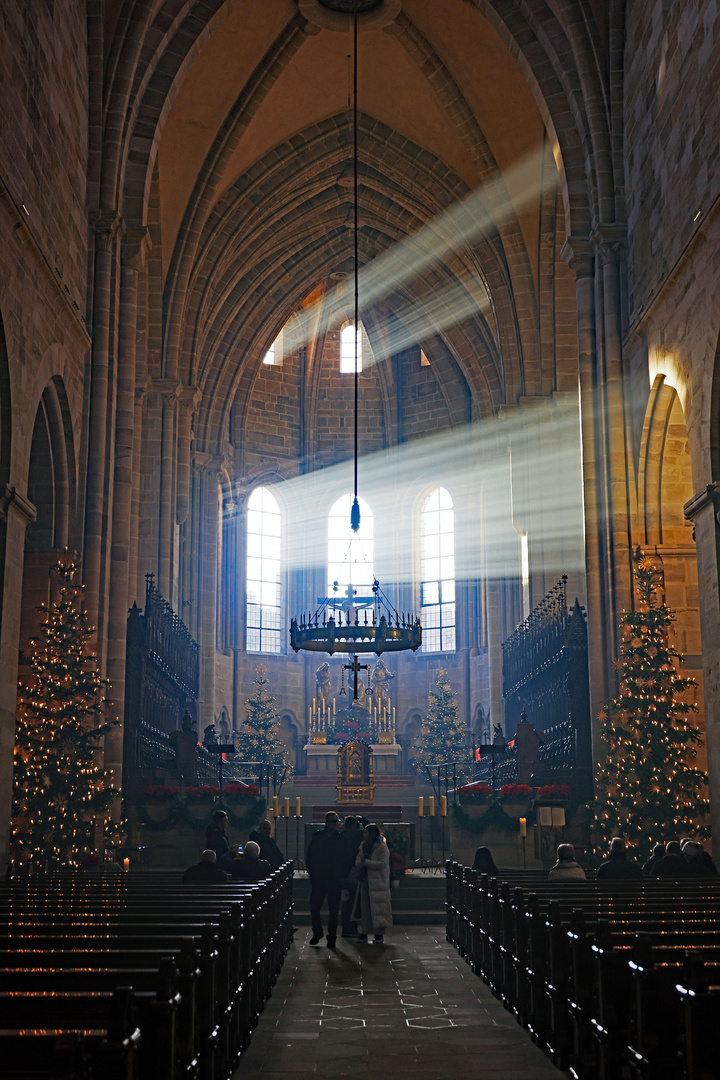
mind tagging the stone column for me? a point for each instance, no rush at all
(579, 254)
(169, 390)
(108, 230)
(134, 249)
(208, 468)
(189, 398)
(16, 513)
(704, 512)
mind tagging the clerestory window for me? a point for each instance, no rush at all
(350, 555)
(264, 524)
(347, 350)
(437, 572)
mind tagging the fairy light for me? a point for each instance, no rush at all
(647, 786)
(61, 793)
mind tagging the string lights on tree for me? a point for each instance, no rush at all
(648, 788)
(442, 733)
(61, 793)
(259, 738)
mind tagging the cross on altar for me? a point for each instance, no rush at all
(356, 667)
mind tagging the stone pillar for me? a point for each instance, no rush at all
(188, 400)
(168, 390)
(495, 660)
(132, 262)
(579, 254)
(208, 473)
(704, 512)
(108, 230)
(16, 513)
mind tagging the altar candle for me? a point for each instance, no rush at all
(126, 864)
(421, 807)
(443, 806)
(310, 716)
(333, 706)
(297, 806)
(432, 806)
(393, 716)
(286, 810)
(276, 806)
(523, 826)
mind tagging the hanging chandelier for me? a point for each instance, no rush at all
(353, 623)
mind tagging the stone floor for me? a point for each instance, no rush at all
(408, 1008)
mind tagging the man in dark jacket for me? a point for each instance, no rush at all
(269, 851)
(206, 872)
(618, 867)
(249, 867)
(216, 838)
(673, 865)
(699, 862)
(327, 864)
(658, 853)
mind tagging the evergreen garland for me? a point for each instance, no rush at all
(648, 790)
(61, 792)
(258, 738)
(442, 733)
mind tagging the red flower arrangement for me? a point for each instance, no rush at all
(553, 791)
(397, 866)
(516, 791)
(160, 792)
(241, 791)
(475, 791)
(204, 791)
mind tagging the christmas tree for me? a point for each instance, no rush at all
(442, 732)
(258, 739)
(61, 793)
(648, 790)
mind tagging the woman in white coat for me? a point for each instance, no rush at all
(373, 864)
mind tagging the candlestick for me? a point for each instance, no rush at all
(432, 805)
(421, 808)
(523, 826)
(276, 806)
(297, 806)
(443, 805)
(286, 810)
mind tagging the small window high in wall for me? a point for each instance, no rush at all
(347, 350)
(437, 572)
(263, 623)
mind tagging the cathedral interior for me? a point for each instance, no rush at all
(530, 190)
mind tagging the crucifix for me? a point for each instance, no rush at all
(356, 667)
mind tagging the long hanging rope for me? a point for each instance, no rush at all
(355, 512)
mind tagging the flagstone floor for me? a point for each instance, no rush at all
(410, 1008)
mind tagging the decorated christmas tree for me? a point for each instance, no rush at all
(258, 738)
(442, 732)
(648, 787)
(62, 795)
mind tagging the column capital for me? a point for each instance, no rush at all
(136, 245)
(709, 497)
(209, 465)
(579, 253)
(166, 389)
(189, 397)
(11, 499)
(609, 241)
(109, 226)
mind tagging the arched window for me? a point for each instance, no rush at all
(274, 356)
(437, 572)
(347, 350)
(263, 623)
(350, 555)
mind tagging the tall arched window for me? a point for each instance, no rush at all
(347, 350)
(350, 555)
(263, 622)
(437, 572)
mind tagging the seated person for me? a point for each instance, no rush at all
(618, 865)
(269, 851)
(249, 866)
(207, 871)
(699, 861)
(484, 862)
(566, 868)
(672, 865)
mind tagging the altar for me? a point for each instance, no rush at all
(322, 759)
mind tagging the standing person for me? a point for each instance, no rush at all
(269, 851)
(352, 835)
(215, 836)
(373, 863)
(618, 866)
(327, 865)
(566, 868)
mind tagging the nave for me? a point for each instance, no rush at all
(409, 1008)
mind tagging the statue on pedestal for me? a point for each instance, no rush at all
(380, 679)
(322, 683)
